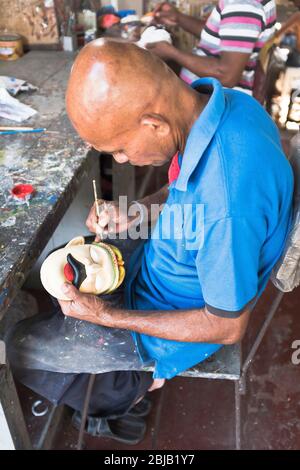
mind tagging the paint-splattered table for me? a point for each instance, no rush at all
(53, 162)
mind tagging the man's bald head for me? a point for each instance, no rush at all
(112, 82)
(124, 100)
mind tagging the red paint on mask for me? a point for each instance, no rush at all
(69, 273)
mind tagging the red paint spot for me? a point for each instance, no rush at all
(69, 273)
(21, 191)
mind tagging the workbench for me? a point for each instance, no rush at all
(55, 163)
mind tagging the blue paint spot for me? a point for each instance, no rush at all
(3, 296)
(52, 199)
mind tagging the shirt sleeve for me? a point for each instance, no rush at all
(240, 26)
(228, 264)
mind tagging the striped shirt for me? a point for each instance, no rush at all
(237, 26)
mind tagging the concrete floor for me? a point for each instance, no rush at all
(190, 413)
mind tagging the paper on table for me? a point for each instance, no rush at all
(14, 85)
(11, 108)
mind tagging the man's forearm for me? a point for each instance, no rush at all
(227, 68)
(190, 24)
(159, 197)
(180, 325)
(201, 66)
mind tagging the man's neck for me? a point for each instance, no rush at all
(193, 105)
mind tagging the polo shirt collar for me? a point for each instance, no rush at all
(202, 132)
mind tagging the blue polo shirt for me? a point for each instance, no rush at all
(223, 226)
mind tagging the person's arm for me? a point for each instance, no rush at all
(238, 38)
(195, 325)
(227, 266)
(227, 68)
(167, 14)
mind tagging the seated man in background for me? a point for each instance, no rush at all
(191, 286)
(230, 41)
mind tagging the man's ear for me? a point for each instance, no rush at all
(157, 123)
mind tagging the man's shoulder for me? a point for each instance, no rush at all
(247, 131)
(250, 151)
(243, 112)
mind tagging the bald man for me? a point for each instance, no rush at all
(190, 287)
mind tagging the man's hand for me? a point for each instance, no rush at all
(85, 306)
(167, 14)
(163, 49)
(111, 219)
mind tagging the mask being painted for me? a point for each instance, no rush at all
(94, 269)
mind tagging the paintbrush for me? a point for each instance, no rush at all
(14, 128)
(97, 207)
(20, 130)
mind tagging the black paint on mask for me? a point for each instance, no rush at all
(79, 271)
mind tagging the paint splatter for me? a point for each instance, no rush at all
(3, 296)
(52, 199)
(10, 222)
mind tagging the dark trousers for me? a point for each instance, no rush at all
(114, 393)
